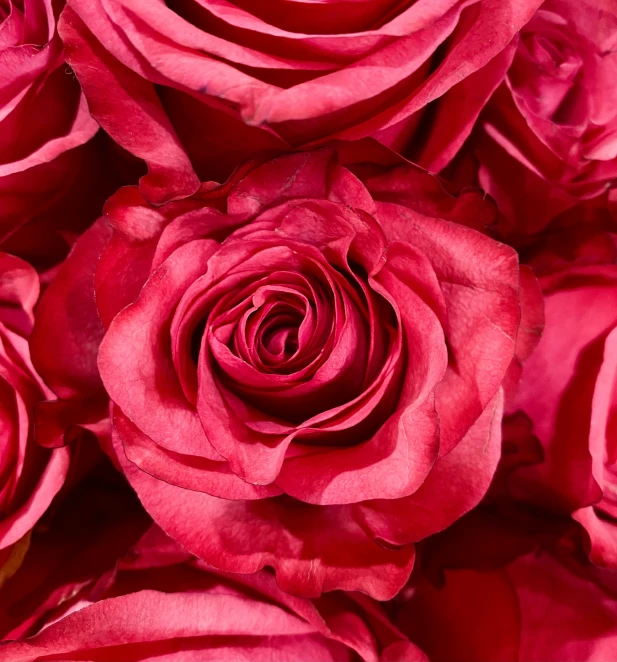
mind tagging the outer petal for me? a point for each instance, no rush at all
(557, 386)
(312, 549)
(91, 529)
(483, 312)
(136, 120)
(138, 343)
(521, 605)
(529, 332)
(19, 292)
(68, 331)
(239, 615)
(449, 130)
(456, 484)
(18, 523)
(186, 471)
(602, 532)
(306, 175)
(600, 521)
(501, 173)
(148, 617)
(546, 587)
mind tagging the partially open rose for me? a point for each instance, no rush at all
(30, 476)
(569, 392)
(48, 163)
(551, 128)
(305, 364)
(223, 79)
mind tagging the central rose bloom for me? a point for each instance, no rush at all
(305, 363)
(290, 336)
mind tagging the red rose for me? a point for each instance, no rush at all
(551, 128)
(48, 168)
(221, 80)
(305, 365)
(30, 476)
(568, 392)
(73, 552)
(162, 604)
(534, 610)
(66, 335)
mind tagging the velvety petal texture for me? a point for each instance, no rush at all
(50, 168)
(305, 364)
(549, 133)
(162, 604)
(64, 345)
(308, 330)
(568, 392)
(220, 80)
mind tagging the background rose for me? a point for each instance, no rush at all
(73, 551)
(550, 130)
(163, 604)
(66, 335)
(221, 80)
(240, 478)
(30, 476)
(568, 392)
(534, 609)
(50, 168)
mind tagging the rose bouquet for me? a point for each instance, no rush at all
(308, 317)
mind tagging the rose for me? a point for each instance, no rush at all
(163, 604)
(534, 609)
(550, 129)
(502, 527)
(222, 81)
(72, 553)
(568, 392)
(47, 169)
(66, 335)
(284, 383)
(30, 476)
(305, 365)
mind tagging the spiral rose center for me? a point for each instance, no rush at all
(272, 328)
(288, 332)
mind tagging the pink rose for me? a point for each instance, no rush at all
(550, 131)
(224, 79)
(30, 476)
(536, 609)
(305, 364)
(568, 392)
(161, 603)
(50, 176)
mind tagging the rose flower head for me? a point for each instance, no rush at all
(568, 390)
(215, 81)
(50, 175)
(30, 476)
(305, 365)
(551, 128)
